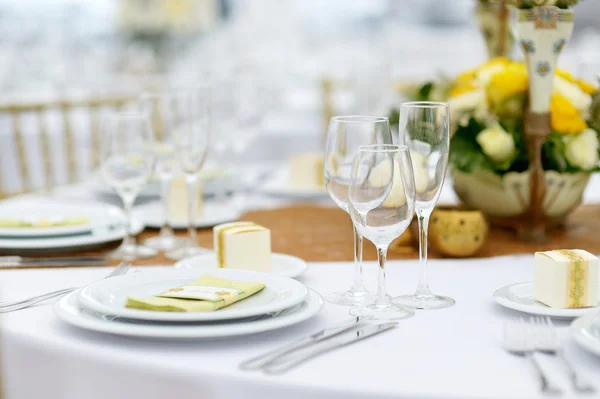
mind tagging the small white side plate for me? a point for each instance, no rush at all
(519, 297)
(281, 264)
(70, 311)
(583, 333)
(278, 185)
(109, 296)
(212, 215)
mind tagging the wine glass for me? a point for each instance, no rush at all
(425, 130)
(156, 106)
(190, 120)
(382, 205)
(344, 136)
(127, 161)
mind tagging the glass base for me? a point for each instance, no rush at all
(186, 252)
(164, 242)
(424, 301)
(383, 311)
(350, 298)
(132, 252)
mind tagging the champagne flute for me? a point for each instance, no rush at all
(190, 121)
(382, 205)
(344, 136)
(127, 161)
(156, 106)
(425, 130)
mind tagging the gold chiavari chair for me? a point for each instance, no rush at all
(92, 108)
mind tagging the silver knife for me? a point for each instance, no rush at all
(290, 361)
(257, 362)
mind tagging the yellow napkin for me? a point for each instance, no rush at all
(61, 222)
(242, 290)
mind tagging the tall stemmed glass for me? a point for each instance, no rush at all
(190, 121)
(425, 130)
(382, 205)
(156, 106)
(127, 161)
(344, 136)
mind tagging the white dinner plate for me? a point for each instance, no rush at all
(519, 297)
(70, 311)
(51, 210)
(281, 264)
(214, 181)
(586, 334)
(112, 229)
(212, 215)
(108, 296)
(278, 185)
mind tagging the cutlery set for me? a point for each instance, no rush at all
(538, 335)
(288, 356)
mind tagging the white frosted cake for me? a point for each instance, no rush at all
(566, 278)
(243, 245)
(306, 171)
(178, 200)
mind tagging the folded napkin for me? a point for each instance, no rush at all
(206, 294)
(58, 222)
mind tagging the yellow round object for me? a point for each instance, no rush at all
(457, 233)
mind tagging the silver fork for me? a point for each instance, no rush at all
(518, 340)
(547, 342)
(11, 306)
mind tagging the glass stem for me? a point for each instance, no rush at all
(423, 219)
(192, 237)
(127, 207)
(165, 185)
(358, 284)
(382, 295)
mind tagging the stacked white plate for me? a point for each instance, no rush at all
(103, 223)
(101, 307)
(586, 332)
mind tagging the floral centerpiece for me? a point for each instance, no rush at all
(525, 134)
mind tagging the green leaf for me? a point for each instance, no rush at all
(466, 154)
(425, 91)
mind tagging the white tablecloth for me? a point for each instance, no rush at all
(455, 352)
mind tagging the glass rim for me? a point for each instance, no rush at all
(424, 104)
(360, 118)
(383, 148)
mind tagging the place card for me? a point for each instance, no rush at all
(205, 293)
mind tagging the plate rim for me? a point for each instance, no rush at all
(235, 215)
(575, 331)
(301, 270)
(95, 324)
(175, 317)
(504, 301)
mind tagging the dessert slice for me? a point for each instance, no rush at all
(178, 200)
(306, 171)
(243, 245)
(566, 278)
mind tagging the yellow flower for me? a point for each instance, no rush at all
(507, 85)
(458, 90)
(564, 117)
(496, 143)
(586, 87)
(488, 69)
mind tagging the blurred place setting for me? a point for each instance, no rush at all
(218, 197)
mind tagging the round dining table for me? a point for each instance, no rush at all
(448, 353)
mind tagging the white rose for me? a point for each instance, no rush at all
(467, 101)
(580, 100)
(496, 143)
(582, 150)
(484, 75)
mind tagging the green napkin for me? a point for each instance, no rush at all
(237, 290)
